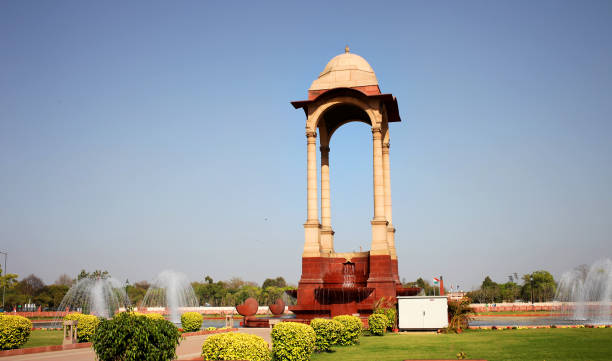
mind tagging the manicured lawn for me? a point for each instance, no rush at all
(44, 338)
(531, 344)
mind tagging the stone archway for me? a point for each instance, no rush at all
(347, 90)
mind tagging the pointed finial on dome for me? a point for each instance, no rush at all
(346, 49)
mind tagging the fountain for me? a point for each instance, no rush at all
(96, 296)
(586, 293)
(172, 291)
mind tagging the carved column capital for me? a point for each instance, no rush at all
(311, 134)
(376, 133)
(385, 147)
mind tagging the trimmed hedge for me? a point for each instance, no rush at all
(352, 329)
(378, 324)
(235, 346)
(14, 331)
(292, 341)
(86, 326)
(154, 316)
(328, 333)
(391, 314)
(135, 337)
(191, 321)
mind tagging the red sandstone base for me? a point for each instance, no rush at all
(339, 286)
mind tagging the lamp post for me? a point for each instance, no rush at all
(531, 281)
(4, 283)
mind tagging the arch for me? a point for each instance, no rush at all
(344, 97)
(336, 116)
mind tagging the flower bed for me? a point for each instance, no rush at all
(493, 328)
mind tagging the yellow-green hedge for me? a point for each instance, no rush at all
(235, 346)
(191, 321)
(377, 323)
(328, 333)
(292, 341)
(352, 329)
(391, 314)
(86, 326)
(14, 331)
(154, 316)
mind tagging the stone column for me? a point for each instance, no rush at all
(327, 234)
(379, 223)
(388, 210)
(311, 227)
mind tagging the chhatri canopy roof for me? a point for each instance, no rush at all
(345, 71)
(348, 74)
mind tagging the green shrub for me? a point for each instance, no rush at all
(134, 337)
(14, 331)
(377, 323)
(459, 315)
(211, 328)
(391, 314)
(191, 321)
(155, 316)
(235, 346)
(352, 329)
(86, 326)
(328, 333)
(292, 341)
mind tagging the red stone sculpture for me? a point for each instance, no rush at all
(277, 308)
(248, 307)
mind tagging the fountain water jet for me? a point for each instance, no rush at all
(587, 292)
(173, 291)
(96, 296)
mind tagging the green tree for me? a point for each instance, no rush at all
(490, 291)
(538, 286)
(93, 275)
(137, 291)
(275, 282)
(510, 291)
(31, 286)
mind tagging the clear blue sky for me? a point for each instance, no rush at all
(137, 136)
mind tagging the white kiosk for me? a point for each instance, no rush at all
(422, 312)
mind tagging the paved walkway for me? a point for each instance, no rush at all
(189, 348)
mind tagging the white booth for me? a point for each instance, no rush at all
(422, 312)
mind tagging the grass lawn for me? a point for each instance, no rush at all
(44, 338)
(531, 344)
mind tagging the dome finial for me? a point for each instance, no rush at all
(346, 49)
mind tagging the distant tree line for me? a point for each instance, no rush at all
(538, 286)
(32, 290)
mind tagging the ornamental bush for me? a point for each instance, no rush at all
(86, 326)
(378, 324)
(235, 346)
(391, 314)
(211, 328)
(352, 329)
(14, 331)
(292, 341)
(328, 333)
(191, 321)
(135, 337)
(155, 316)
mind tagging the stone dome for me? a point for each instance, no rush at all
(346, 70)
